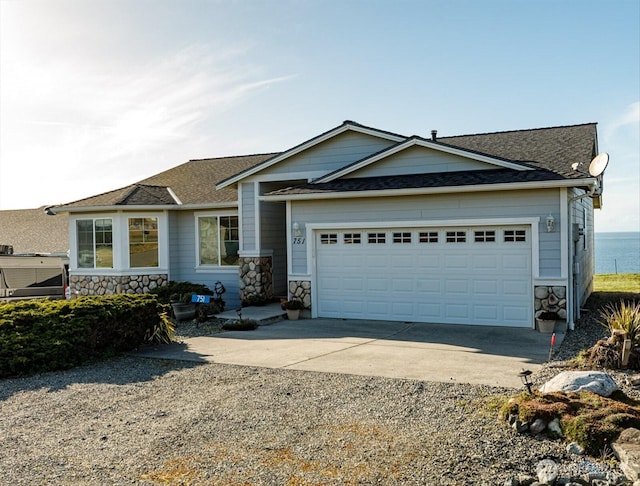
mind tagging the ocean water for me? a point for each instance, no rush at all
(617, 252)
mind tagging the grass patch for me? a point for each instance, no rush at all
(617, 282)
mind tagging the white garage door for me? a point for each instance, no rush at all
(479, 275)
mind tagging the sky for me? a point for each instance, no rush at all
(96, 95)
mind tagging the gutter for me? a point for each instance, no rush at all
(506, 186)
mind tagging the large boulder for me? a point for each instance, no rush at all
(577, 381)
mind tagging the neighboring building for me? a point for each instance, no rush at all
(34, 231)
(363, 223)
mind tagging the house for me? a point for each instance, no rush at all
(358, 222)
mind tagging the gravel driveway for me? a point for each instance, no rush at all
(137, 420)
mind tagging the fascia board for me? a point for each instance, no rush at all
(421, 143)
(120, 208)
(507, 186)
(300, 148)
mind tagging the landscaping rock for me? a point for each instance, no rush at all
(577, 381)
(537, 426)
(575, 449)
(547, 471)
(627, 449)
(554, 427)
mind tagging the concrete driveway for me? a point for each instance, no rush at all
(431, 352)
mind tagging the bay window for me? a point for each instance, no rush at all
(143, 242)
(95, 243)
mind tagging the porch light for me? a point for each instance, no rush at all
(525, 376)
(550, 223)
(297, 231)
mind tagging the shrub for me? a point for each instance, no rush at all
(294, 304)
(43, 335)
(625, 317)
(240, 325)
(166, 292)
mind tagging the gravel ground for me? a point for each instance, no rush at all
(133, 420)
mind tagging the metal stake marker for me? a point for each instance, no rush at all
(553, 343)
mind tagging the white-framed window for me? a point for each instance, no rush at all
(352, 238)
(376, 238)
(402, 237)
(428, 237)
(484, 236)
(512, 236)
(329, 238)
(218, 239)
(143, 242)
(95, 243)
(456, 236)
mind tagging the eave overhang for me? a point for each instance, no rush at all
(143, 208)
(419, 191)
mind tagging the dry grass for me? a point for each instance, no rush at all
(617, 282)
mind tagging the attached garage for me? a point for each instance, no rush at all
(452, 275)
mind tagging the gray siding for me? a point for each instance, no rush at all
(333, 154)
(446, 207)
(581, 213)
(248, 217)
(419, 160)
(182, 256)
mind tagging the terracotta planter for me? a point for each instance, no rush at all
(546, 326)
(293, 314)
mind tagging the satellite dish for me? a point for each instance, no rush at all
(599, 164)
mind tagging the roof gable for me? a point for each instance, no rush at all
(417, 155)
(310, 144)
(191, 183)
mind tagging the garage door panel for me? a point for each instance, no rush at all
(485, 312)
(456, 311)
(349, 284)
(436, 281)
(485, 287)
(485, 262)
(456, 261)
(458, 286)
(377, 284)
(427, 262)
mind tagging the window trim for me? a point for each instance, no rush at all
(212, 266)
(93, 220)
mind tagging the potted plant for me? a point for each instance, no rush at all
(546, 321)
(184, 309)
(293, 308)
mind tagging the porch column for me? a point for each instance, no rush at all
(256, 276)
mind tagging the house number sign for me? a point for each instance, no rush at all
(298, 240)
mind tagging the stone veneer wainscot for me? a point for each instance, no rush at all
(255, 277)
(120, 284)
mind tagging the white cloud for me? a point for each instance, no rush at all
(81, 117)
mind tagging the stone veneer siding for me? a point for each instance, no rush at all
(301, 289)
(256, 277)
(553, 299)
(110, 285)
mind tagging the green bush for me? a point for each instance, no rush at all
(179, 289)
(44, 335)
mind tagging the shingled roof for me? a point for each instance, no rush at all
(34, 231)
(550, 152)
(192, 183)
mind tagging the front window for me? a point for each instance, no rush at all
(143, 242)
(95, 243)
(219, 241)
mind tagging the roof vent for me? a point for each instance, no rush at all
(433, 135)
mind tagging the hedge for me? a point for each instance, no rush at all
(45, 335)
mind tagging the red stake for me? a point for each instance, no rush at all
(553, 343)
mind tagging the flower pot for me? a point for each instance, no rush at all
(293, 314)
(546, 326)
(184, 312)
